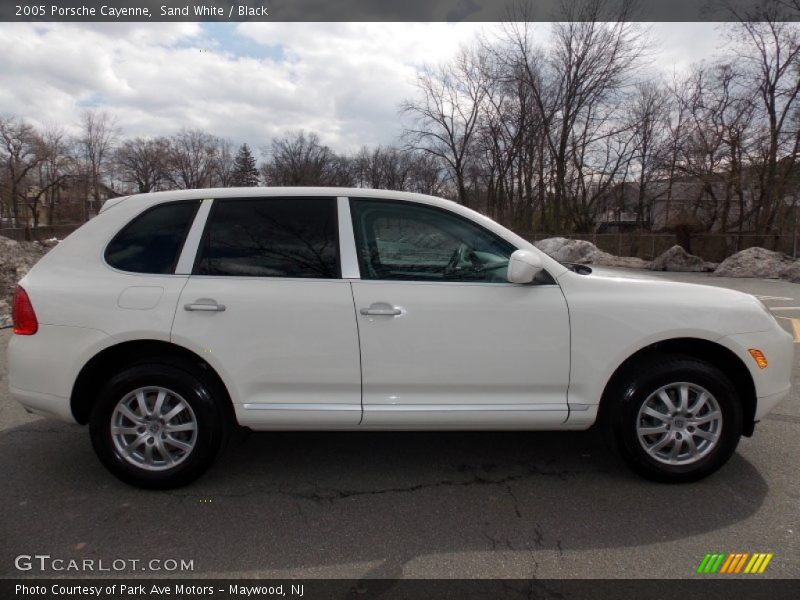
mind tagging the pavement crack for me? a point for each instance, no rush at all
(516, 502)
(333, 495)
(498, 542)
(538, 537)
(321, 495)
(301, 512)
(532, 555)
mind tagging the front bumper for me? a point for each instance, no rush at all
(773, 383)
(765, 404)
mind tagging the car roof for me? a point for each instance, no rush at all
(262, 192)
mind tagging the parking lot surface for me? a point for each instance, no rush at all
(438, 505)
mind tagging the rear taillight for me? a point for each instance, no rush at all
(22, 314)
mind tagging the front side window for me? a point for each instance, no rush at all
(271, 237)
(414, 242)
(152, 242)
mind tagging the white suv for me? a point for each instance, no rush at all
(172, 316)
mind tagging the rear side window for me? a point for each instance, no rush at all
(152, 242)
(271, 237)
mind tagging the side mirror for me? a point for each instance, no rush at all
(523, 266)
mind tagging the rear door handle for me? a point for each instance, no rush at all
(204, 305)
(383, 309)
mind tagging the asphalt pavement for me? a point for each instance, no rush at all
(426, 505)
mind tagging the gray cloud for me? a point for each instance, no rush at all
(343, 80)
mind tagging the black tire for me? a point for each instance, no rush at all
(642, 379)
(206, 410)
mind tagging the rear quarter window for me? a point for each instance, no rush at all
(152, 241)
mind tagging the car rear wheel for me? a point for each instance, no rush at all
(675, 418)
(157, 426)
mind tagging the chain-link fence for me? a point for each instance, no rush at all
(710, 246)
(28, 234)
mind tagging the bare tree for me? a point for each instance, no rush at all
(504, 154)
(300, 159)
(20, 152)
(144, 163)
(224, 164)
(425, 175)
(768, 49)
(97, 140)
(575, 83)
(648, 111)
(445, 117)
(383, 168)
(193, 156)
(58, 163)
(678, 123)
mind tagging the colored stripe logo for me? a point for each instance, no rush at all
(735, 563)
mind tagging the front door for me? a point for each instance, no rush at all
(446, 341)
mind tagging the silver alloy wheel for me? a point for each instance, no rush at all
(679, 423)
(154, 428)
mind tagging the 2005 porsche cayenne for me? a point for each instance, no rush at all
(172, 316)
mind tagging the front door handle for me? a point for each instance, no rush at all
(383, 309)
(204, 305)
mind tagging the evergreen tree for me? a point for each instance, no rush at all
(245, 173)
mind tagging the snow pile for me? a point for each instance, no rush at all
(792, 273)
(583, 252)
(677, 259)
(752, 262)
(757, 262)
(572, 251)
(16, 259)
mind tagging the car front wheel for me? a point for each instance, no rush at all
(156, 426)
(675, 418)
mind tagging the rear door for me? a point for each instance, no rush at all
(267, 307)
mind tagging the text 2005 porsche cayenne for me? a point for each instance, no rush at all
(171, 316)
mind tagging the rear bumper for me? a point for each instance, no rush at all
(45, 405)
(42, 368)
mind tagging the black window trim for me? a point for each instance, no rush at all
(171, 273)
(207, 232)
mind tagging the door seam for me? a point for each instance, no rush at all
(177, 306)
(360, 362)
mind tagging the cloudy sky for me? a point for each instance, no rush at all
(253, 81)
